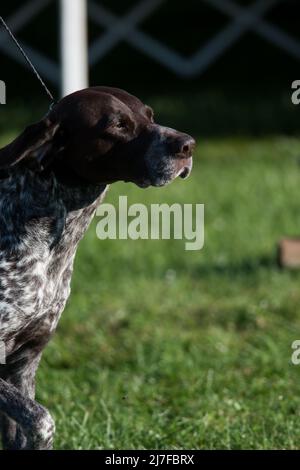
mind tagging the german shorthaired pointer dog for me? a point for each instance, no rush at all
(52, 178)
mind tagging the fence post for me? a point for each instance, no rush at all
(74, 45)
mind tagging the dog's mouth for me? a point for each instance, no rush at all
(182, 169)
(186, 170)
(185, 173)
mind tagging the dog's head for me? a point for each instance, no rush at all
(104, 135)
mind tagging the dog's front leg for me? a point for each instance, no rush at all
(8, 432)
(23, 379)
(34, 420)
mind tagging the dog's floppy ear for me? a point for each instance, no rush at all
(33, 145)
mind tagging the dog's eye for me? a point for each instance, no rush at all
(121, 125)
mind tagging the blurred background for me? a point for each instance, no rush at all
(160, 347)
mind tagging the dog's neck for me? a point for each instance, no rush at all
(34, 202)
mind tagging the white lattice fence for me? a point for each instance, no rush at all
(127, 28)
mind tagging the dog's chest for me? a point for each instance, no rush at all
(35, 281)
(35, 275)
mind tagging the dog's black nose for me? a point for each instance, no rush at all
(188, 146)
(183, 145)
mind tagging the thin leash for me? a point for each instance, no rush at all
(36, 73)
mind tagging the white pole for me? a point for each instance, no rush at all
(74, 45)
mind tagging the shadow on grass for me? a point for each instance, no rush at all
(219, 114)
(248, 267)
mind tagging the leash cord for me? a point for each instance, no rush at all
(28, 60)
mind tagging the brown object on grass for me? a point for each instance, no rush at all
(289, 253)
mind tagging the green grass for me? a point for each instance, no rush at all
(163, 348)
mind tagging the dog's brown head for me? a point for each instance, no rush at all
(104, 135)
